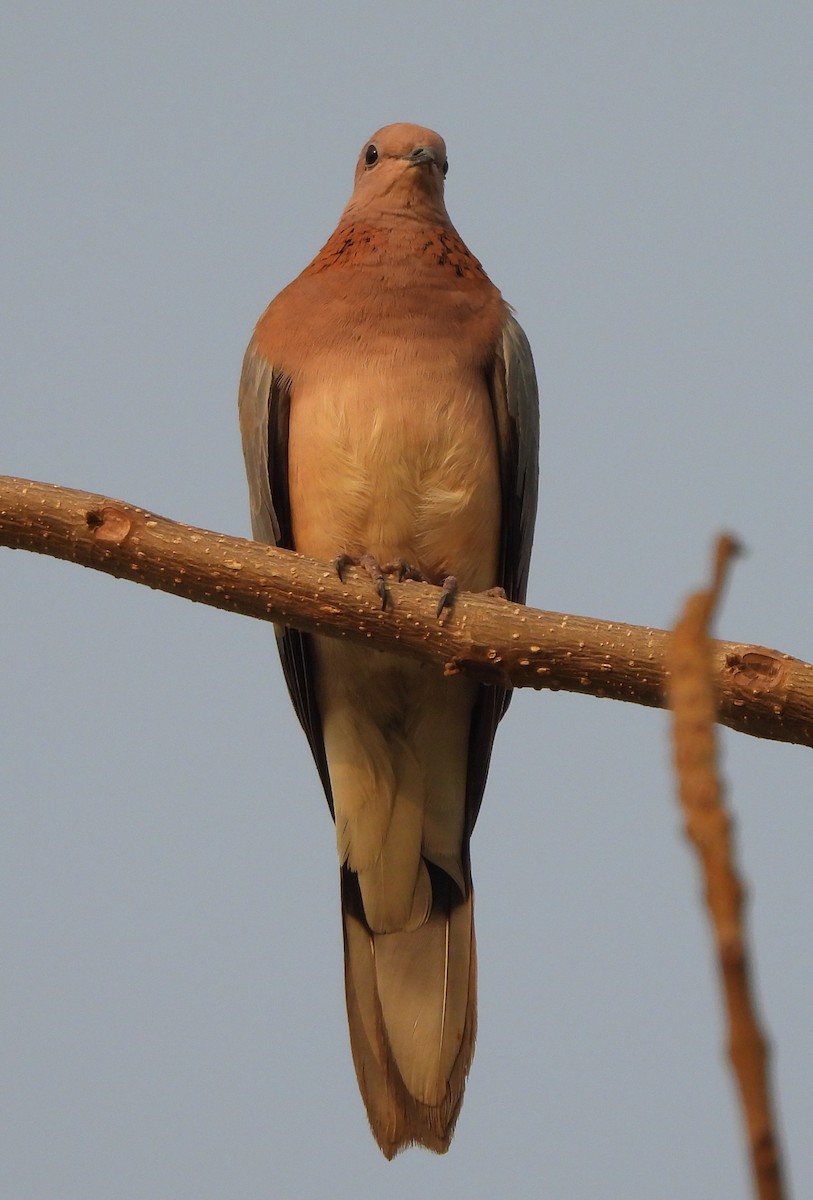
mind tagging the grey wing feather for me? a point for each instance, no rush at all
(515, 400)
(264, 404)
(257, 385)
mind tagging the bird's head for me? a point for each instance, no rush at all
(401, 168)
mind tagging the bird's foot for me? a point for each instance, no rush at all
(449, 589)
(402, 570)
(448, 594)
(370, 565)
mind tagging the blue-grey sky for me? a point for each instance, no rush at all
(636, 178)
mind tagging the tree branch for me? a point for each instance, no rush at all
(760, 691)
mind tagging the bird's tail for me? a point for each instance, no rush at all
(412, 1010)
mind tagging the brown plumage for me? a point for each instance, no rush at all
(388, 408)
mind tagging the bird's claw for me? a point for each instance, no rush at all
(373, 568)
(370, 566)
(402, 570)
(341, 561)
(448, 594)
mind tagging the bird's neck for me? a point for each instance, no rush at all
(363, 241)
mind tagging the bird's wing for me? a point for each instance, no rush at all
(515, 400)
(516, 410)
(264, 403)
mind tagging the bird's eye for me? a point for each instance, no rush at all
(445, 167)
(371, 157)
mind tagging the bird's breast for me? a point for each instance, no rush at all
(392, 452)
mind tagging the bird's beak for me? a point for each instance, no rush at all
(420, 156)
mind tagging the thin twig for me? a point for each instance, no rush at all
(709, 827)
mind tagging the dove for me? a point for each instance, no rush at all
(389, 417)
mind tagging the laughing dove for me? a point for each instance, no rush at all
(388, 408)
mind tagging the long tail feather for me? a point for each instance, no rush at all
(412, 1011)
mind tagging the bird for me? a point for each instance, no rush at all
(389, 417)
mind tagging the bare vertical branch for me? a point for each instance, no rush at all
(693, 700)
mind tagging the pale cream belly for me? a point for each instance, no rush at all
(397, 466)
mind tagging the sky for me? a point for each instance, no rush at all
(636, 178)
